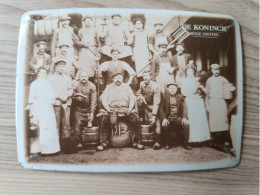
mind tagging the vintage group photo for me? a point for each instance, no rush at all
(130, 88)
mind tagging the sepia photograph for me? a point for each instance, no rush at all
(128, 90)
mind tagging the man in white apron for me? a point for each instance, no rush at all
(216, 105)
(119, 38)
(90, 46)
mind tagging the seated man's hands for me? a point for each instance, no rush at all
(128, 112)
(185, 121)
(165, 122)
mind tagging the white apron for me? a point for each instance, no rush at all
(41, 96)
(199, 128)
(164, 77)
(218, 120)
(141, 52)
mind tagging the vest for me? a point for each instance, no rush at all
(112, 69)
(173, 107)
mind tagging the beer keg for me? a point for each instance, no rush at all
(147, 135)
(90, 136)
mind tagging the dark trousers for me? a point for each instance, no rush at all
(62, 120)
(174, 125)
(106, 131)
(79, 121)
(221, 137)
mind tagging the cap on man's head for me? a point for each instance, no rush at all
(56, 61)
(158, 24)
(162, 44)
(63, 44)
(85, 17)
(139, 19)
(116, 74)
(41, 43)
(114, 50)
(175, 84)
(116, 15)
(65, 18)
(215, 66)
(179, 44)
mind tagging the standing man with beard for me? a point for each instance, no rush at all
(90, 45)
(41, 59)
(84, 104)
(217, 106)
(173, 114)
(119, 97)
(151, 97)
(180, 61)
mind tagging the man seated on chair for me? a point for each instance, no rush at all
(119, 97)
(151, 97)
(173, 114)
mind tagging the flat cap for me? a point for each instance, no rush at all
(65, 18)
(41, 43)
(175, 84)
(63, 44)
(158, 23)
(56, 60)
(114, 15)
(85, 17)
(116, 74)
(215, 66)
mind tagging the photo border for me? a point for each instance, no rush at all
(20, 118)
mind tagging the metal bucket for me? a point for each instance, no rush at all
(108, 40)
(147, 135)
(90, 136)
(113, 117)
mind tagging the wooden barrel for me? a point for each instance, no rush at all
(147, 135)
(46, 26)
(90, 136)
(120, 135)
